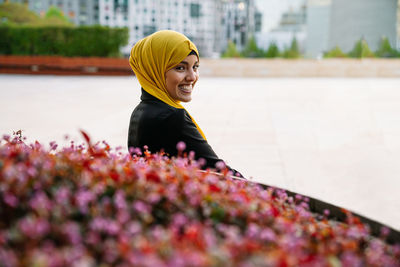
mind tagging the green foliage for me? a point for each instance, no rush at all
(17, 14)
(335, 53)
(252, 50)
(82, 41)
(272, 51)
(55, 17)
(231, 50)
(293, 51)
(361, 50)
(385, 49)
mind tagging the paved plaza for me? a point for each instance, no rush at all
(334, 139)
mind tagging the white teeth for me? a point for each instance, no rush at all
(186, 88)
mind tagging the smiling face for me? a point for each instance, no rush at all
(181, 79)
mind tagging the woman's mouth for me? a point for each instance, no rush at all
(186, 89)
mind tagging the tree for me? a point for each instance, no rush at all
(272, 51)
(385, 49)
(293, 51)
(252, 50)
(17, 14)
(231, 50)
(55, 17)
(335, 53)
(361, 50)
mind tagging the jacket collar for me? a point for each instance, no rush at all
(148, 97)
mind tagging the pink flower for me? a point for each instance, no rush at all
(134, 227)
(252, 230)
(385, 231)
(220, 165)
(141, 207)
(119, 200)
(72, 231)
(53, 145)
(10, 200)
(181, 146)
(179, 220)
(40, 202)
(268, 235)
(34, 228)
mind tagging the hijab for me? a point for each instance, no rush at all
(153, 56)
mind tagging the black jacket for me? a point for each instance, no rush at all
(160, 127)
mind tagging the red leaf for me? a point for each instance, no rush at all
(86, 136)
(214, 188)
(153, 177)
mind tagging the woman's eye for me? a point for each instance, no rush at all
(195, 67)
(180, 68)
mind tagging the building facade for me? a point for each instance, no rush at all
(318, 25)
(210, 24)
(367, 19)
(342, 23)
(240, 20)
(291, 25)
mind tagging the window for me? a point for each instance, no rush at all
(147, 30)
(195, 10)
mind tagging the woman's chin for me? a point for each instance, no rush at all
(186, 99)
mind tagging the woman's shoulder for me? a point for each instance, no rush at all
(153, 111)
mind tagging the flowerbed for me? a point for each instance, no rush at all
(90, 205)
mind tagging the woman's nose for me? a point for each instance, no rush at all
(191, 75)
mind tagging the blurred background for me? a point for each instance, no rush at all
(250, 28)
(304, 95)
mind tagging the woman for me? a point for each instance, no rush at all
(166, 65)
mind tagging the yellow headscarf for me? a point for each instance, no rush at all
(153, 56)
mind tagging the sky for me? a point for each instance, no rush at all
(273, 9)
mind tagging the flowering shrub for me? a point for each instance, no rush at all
(92, 205)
